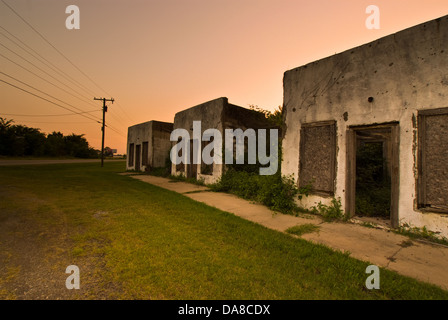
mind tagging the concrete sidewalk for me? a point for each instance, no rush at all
(424, 261)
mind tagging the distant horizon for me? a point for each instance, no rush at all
(158, 58)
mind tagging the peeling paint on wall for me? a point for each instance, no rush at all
(389, 80)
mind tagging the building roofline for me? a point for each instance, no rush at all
(423, 24)
(150, 121)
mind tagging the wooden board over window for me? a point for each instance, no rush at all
(433, 160)
(318, 156)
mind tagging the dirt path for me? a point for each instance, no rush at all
(34, 255)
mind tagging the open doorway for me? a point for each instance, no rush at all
(192, 167)
(373, 183)
(137, 157)
(372, 173)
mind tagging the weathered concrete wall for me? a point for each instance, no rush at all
(242, 118)
(403, 73)
(160, 144)
(157, 135)
(217, 114)
(137, 134)
(210, 114)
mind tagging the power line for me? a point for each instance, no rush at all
(58, 51)
(116, 130)
(117, 117)
(123, 111)
(80, 96)
(30, 86)
(73, 112)
(64, 56)
(50, 44)
(45, 99)
(48, 63)
(56, 122)
(82, 111)
(46, 115)
(36, 75)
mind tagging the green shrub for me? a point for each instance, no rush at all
(160, 172)
(421, 233)
(305, 191)
(331, 212)
(274, 191)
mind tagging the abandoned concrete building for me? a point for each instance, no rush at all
(371, 124)
(149, 145)
(215, 114)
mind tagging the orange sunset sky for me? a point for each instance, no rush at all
(156, 58)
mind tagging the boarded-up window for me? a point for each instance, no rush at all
(131, 155)
(145, 153)
(433, 160)
(318, 156)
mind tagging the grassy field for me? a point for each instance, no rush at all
(132, 240)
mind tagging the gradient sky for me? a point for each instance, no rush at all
(156, 58)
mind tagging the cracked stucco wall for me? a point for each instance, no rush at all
(403, 73)
(157, 134)
(217, 114)
(211, 116)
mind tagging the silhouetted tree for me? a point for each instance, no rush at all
(55, 145)
(20, 140)
(5, 136)
(275, 118)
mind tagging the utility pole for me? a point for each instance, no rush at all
(104, 124)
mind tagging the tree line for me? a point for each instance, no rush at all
(20, 140)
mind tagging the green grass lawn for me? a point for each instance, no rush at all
(133, 240)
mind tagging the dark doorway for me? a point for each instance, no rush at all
(131, 155)
(373, 193)
(192, 168)
(137, 157)
(207, 168)
(145, 157)
(372, 180)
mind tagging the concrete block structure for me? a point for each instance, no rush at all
(215, 114)
(390, 94)
(148, 145)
